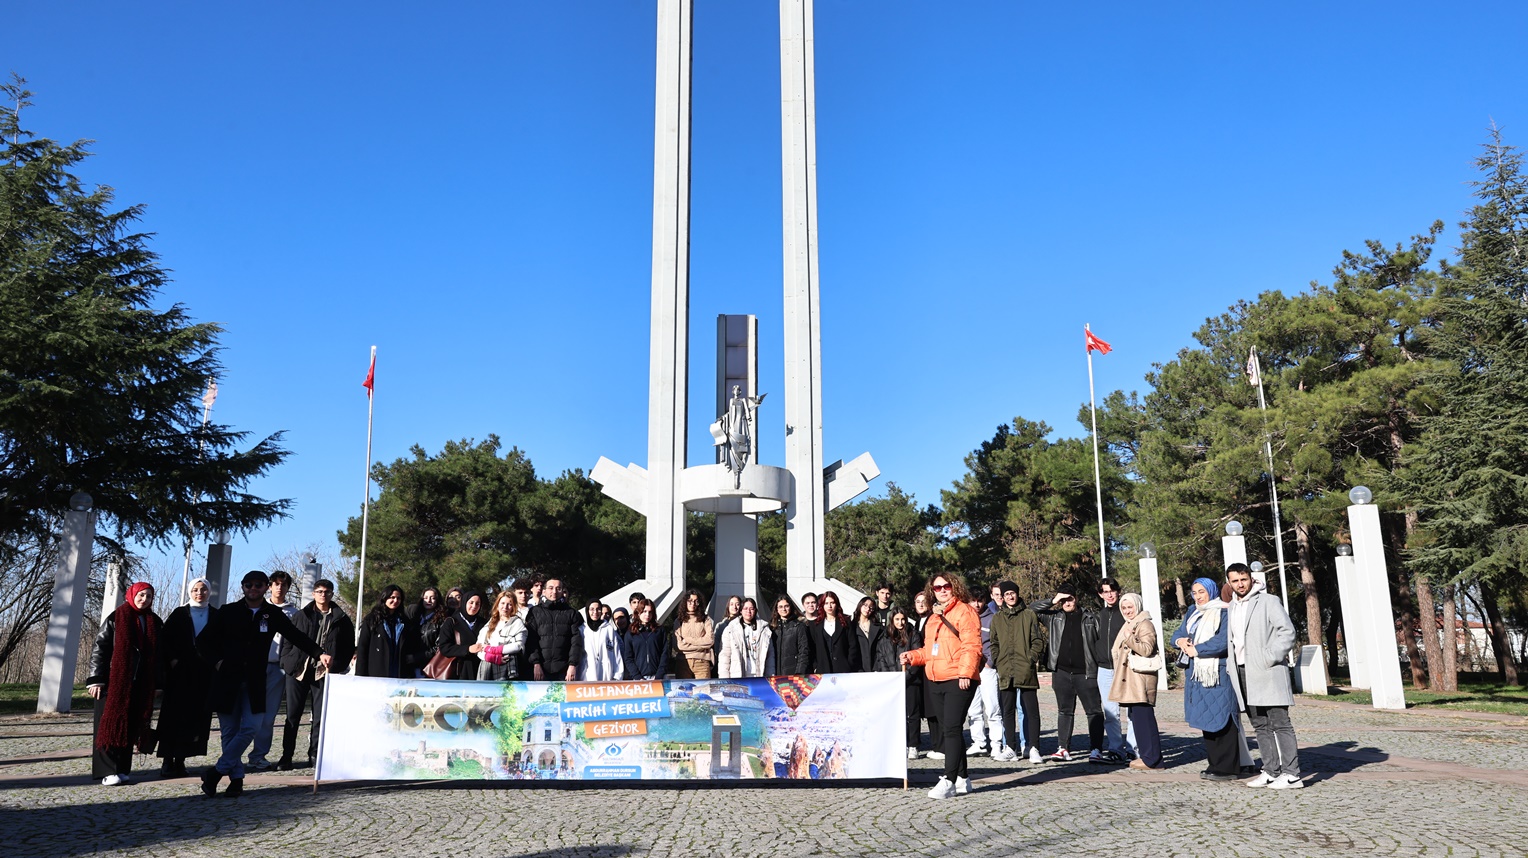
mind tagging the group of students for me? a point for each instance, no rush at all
(967, 661)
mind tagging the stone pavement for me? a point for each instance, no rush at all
(1414, 783)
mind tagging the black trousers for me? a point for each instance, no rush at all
(1006, 700)
(914, 714)
(950, 705)
(1069, 686)
(298, 693)
(1148, 739)
(1222, 748)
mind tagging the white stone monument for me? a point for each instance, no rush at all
(219, 564)
(1233, 546)
(1151, 594)
(667, 488)
(1373, 593)
(71, 580)
(1355, 637)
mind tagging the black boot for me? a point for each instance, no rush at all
(210, 780)
(235, 788)
(285, 763)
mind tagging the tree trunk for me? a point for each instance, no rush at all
(1498, 632)
(1307, 556)
(1182, 605)
(1404, 601)
(1427, 624)
(1451, 640)
(1331, 640)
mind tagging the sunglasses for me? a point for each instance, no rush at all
(938, 588)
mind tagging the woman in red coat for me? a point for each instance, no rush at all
(951, 659)
(123, 668)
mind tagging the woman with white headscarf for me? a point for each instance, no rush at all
(185, 715)
(1209, 701)
(1133, 688)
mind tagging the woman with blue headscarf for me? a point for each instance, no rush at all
(1209, 701)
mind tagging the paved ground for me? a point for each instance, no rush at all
(1380, 784)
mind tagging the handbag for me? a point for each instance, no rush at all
(1145, 663)
(439, 666)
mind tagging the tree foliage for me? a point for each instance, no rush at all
(99, 390)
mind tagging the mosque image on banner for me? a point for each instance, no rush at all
(826, 727)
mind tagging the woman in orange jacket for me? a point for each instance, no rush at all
(951, 659)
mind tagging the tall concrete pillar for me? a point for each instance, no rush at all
(1151, 594)
(802, 321)
(737, 533)
(114, 589)
(1374, 602)
(219, 565)
(1355, 637)
(311, 571)
(1233, 546)
(71, 582)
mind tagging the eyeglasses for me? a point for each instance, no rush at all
(939, 588)
(321, 592)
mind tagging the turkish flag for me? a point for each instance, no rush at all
(1095, 343)
(371, 375)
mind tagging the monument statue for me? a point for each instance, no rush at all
(736, 432)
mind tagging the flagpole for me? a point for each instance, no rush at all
(1273, 487)
(185, 573)
(360, 595)
(1098, 486)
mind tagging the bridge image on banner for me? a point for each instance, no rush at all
(827, 727)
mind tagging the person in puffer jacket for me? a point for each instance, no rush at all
(554, 640)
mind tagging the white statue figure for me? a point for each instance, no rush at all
(736, 432)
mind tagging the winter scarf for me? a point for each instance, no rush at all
(135, 634)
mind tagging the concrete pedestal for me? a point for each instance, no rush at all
(1355, 637)
(1373, 592)
(1151, 594)
(71, 581)
(1310, 674)
(1234, 550)
(219, 563)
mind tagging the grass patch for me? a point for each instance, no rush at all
(20, 698)
(1477, 696)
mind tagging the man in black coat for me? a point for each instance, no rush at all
(238, 647)
(554, 636)
(1074, 672)
(323, 621)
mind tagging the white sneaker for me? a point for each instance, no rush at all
(976, 750)
(912, 753)
(1034, 755)
(962, 786)
(936, 755)
(1287, 782)
(1005, 755)
(943, 789)
(113, 780)
(1263, 779)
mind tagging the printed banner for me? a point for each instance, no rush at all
(833, 726)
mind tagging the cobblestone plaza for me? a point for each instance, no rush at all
(1379, 783)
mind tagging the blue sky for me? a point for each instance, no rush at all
(468, 187)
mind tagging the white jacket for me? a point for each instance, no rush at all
(602, 654)
(745, 651)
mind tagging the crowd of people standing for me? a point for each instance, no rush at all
(969, 663)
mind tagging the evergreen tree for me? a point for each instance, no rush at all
(99, 390)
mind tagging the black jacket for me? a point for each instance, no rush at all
(238, 644)
(554, 638)
(1110, 621)
(875, 651)
(143, 669)
(914, 672)
(339, 642)
(1055, 623)
(645, 653)
(378, 651)
(835, 653)
(457, 635)
(792, 646)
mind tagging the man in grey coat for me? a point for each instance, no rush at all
(1261, 639)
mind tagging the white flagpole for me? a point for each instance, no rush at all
(1098, 486)
(185, 573)
(1273, 487)
(360, 595)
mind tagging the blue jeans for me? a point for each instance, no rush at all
(238, 729)
(1113, 739)
(275, 687)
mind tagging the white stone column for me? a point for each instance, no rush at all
(668, 373)
(1374, 602)
(71, 581)
(311, 571)
(803, 333)
(114, 589)
(1355, 637)
(1233, 547)
(219, 565)
(1151, 594)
